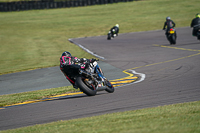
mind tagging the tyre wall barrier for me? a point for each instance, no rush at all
(32, 5)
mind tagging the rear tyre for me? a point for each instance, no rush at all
(110, 88)
(109, 37)
(173, 39)
(169, 38)
(198, 37)
(85, 86)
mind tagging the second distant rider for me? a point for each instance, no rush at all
(115, 30)
(195, 24)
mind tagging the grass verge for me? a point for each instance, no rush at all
(11, 99)
(177, 118)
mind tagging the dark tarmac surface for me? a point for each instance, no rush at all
(172, 76)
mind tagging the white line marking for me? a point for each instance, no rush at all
(134, 72)
(87, 50)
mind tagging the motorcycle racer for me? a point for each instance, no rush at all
(67, 59)
(195, 24)
(170, 24)
(115, 30)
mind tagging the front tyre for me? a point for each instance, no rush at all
(86, 86)
(110, 88)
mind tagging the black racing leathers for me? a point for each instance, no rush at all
(196, 25)
(64, 61)
(114, 30)
(169, 24)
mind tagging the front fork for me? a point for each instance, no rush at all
(100, 85)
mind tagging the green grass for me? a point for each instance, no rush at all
(11, 99)
(177, 118)
(36, 39)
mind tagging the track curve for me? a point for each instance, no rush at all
(172, 76)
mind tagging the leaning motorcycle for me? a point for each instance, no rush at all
(197, 29)
(111, 34)
(171, 37)
(89, 82)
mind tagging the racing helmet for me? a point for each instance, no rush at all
(66, 54)
(197, 15)
(168, 18)
(117, 25)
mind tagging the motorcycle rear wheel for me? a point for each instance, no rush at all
(198, 37)
(173, 39)
(86, 87)
(109, 37)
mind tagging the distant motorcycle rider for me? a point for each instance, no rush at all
(195, 24)
(115, 30)
(67, 59)
(170, 24)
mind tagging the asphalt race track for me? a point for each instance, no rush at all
(172, 76)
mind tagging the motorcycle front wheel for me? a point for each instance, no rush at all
(86, 86)
(110, 88)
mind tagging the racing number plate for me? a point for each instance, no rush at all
(171, 32)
